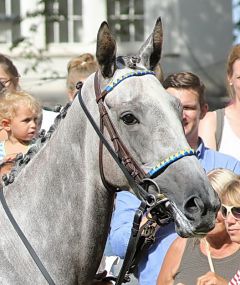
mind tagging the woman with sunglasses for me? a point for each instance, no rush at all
(188, 260)
(230, 211)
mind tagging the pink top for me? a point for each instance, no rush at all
(236, 279)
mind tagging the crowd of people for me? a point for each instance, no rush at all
(215, 136)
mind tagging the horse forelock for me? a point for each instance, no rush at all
(130, 61)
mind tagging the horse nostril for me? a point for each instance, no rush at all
(193, 206)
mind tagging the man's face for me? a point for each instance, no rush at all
(192, 112)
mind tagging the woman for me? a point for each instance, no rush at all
(188, 260)
(220, 130)
(231, 213)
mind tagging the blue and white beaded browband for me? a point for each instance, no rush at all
(115, 82)
(166, 162)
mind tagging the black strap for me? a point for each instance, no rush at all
(219, 126)
(24, 239)
(132, 244)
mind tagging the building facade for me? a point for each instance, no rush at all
(197, 37)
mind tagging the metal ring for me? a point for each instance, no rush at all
(151, 182)
(153, 200)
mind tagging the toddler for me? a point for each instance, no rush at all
(19, 117)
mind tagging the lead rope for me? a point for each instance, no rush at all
(24, 239)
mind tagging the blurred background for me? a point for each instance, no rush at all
(41, 36)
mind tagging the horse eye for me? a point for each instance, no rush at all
(129, 119)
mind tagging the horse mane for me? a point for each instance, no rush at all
(43, 137)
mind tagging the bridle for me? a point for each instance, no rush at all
(138, 180)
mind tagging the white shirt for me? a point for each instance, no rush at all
(230, 142)
(48, 119)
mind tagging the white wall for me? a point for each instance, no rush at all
(197, 37)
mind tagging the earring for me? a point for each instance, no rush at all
(231, 83)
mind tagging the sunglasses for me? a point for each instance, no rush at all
(226, 210)
(3, 84)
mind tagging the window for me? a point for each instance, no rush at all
(126, 18)
(9, 20)
(63, 21)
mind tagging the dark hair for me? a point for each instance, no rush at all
(9, 68)
(186, 80)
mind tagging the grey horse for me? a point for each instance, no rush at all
(59, 200)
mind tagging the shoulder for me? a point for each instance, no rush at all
(179, 244)
(172, 261)
(217, 159)
(210, 119)
(207, 129)
(176, 248)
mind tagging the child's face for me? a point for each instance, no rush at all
(24, 124)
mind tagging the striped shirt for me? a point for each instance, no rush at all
(236, 279)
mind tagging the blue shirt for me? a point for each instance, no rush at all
(211, 159)
(127, 204)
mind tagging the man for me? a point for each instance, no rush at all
(189, 89)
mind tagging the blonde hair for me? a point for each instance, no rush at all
(234, 54)
(231, 192)
(83, 66)
(10, 101)
(219, 178)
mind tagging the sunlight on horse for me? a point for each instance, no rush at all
(59, 200)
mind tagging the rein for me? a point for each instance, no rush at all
(25, 241)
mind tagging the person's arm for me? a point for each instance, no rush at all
(211, 278)
(207, 129)
(126, 205)
(171, 262)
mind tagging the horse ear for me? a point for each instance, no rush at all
(106, 51)
(150, 52)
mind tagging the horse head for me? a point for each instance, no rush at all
(148, 121)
